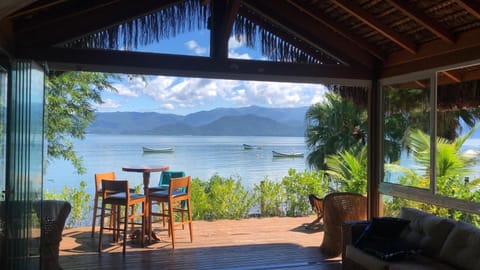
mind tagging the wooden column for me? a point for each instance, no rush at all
(375, 142)
(220, 24)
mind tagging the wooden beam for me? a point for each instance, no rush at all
(435, 54)
(222, 18)
(35, 6)
(452, 76)
(345, 32)
(473, 7)
(295, 22)
(80, 23)
(193, 66)
(6, 37)
(422, 19)
(377, 25)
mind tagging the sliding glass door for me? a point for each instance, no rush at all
(24, 165)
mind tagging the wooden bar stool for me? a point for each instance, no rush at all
(177, 199)
(98, 195)
(116, 193)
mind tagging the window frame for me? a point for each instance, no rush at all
(413, 193)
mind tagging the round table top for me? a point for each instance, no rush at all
(145, 168)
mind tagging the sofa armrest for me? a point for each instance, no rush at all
(351, 231)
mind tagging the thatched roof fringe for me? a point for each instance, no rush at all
(357, 94)
(272, 46)
(188, 15)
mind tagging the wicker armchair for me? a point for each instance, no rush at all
(338, 208)
(317, 207)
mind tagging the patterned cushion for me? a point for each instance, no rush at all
(426, 231)
(462, 247)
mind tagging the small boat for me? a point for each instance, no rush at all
(287, 154)
(249, 146)
(158, 150)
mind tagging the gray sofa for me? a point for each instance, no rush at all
(444, 244)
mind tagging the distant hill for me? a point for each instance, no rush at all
(246, 121)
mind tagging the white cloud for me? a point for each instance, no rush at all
(235, 55)
(108, 104)
(168, 107)
(173, 93)
(195, 47)
(233, 45)
(123, 90)
(275, 94)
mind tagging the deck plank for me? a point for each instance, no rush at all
(254, 243)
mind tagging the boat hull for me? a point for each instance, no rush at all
(289, 154)
(158, 150)
(249, 146)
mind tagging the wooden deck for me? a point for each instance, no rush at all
(255, 243)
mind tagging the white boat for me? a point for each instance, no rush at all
(287, 154)
(249, 146)
(158, 150)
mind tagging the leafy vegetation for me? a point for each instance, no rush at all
(333, 126)
(80, 201)
(220, 198)
(69, 109)
(452, 168)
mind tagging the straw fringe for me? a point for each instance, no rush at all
(190, 15)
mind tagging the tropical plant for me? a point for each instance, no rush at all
(452, 168)
(335, 125)
(348, 171)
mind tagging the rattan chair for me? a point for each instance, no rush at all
(340, 207)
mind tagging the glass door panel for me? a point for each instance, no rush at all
(458, 135)
(3, 95)
(406, 145)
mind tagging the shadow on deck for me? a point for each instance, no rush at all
(255, 243)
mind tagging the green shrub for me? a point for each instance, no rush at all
(269, 197)
(297, 188)
(80, 201)
(199, 199)
(223, 198)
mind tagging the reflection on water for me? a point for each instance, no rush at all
(199, 156)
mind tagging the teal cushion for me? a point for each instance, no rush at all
(165, 177)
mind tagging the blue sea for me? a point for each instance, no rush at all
(198, 156)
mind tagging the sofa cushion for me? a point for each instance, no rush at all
(427, 231)
(417, 262)
(462, 247)
(381, 239)
(420, 263)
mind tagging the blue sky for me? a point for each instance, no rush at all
(180, 95)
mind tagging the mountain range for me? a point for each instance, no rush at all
(245, 121)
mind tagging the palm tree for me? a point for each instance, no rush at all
(453, 167)
(333, 126)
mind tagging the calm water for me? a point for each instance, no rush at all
(198, 156)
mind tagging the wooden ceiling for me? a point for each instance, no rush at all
(346, 41)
